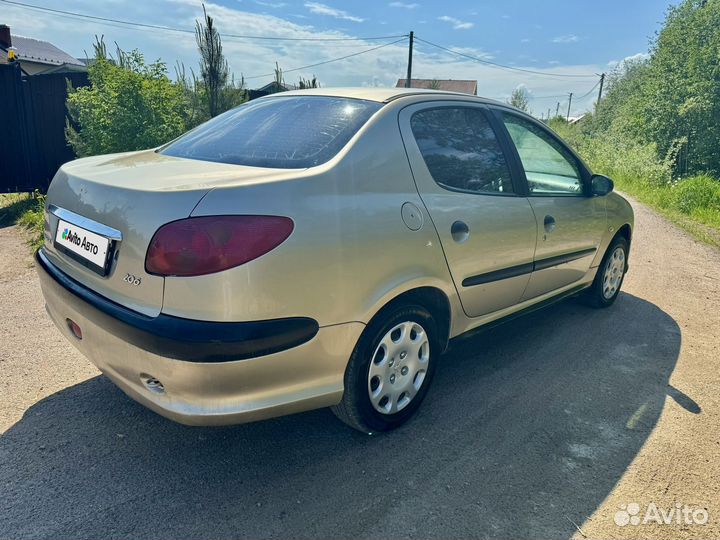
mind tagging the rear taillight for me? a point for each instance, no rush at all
(203, 245)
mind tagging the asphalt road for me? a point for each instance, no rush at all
(540, 428)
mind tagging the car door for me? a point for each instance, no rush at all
(570, 222)
(487, 230)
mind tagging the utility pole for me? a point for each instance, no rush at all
(557, 109)
(567, 118)
(408, 81)
(602, 81)
(548, 116)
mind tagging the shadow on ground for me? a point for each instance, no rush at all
(12, 206)
(527, 427)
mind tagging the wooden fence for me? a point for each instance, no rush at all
(32, 127)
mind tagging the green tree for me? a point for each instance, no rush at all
(129, 105)
(683, 105)
(672, 99)
(623, 91)
(214, 71)
(216, 90)
(308, 83)
(279, 78)
(520, 99)
(193, 92)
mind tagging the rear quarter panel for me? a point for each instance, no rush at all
(350, 251)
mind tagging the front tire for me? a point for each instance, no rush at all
(390, 370)
(610, 275)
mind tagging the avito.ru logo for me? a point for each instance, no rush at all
(680, 514)
(73, 238)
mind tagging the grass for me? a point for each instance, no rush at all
(27, 211)
(693, 203)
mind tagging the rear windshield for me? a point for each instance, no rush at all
(280, 132)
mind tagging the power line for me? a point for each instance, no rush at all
(185, 30)
(327, 61)
(565, 95)
(547, 97)
(589, 91)
(501, 66)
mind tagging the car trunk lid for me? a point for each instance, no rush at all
(132, 194)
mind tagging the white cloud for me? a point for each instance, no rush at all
(323, 9)
(457, 23)
(568, 38)
(403, 5)
(274, 5)
(636, 57)
(553, 62)
(253, 57)
(525, 40)
(622, 64)
(472, 51)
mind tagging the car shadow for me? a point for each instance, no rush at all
(526, 430)
(10, 213)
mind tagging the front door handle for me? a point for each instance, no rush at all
(549, 224)
(459, 231)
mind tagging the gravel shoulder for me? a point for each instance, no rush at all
(540, 428)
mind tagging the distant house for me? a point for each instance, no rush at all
(449, 85)
(271, 88)
(36, 56)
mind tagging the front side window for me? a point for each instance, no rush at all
(549, 168)
(293, 132)
(460, 150)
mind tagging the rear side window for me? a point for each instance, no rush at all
(293, 132)
(460, 150)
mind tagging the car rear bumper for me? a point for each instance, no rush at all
(211, 373)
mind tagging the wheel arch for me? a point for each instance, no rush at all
(626, 232)
(431, 298)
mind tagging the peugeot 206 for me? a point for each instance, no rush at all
(321, 248)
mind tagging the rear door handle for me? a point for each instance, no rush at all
(549, 224)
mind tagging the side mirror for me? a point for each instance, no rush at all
(601, 185)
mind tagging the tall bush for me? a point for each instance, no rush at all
(672, 99)
(129, 105)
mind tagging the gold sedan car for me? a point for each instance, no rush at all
(321, 248)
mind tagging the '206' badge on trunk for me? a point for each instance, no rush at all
(132, 280)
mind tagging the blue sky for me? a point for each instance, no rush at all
(568, 37)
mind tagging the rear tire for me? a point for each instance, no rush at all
(390, 369)
(610, 275)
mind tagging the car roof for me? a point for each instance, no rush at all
(379, 94)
